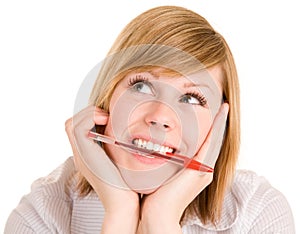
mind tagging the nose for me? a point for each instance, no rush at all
(161, 116)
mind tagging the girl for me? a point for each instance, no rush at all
(169, 84)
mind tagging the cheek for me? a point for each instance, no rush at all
(204, 123)
(126, 109)
(116, 114)
(200, 130)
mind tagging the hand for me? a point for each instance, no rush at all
(93, 163)
(161, 211)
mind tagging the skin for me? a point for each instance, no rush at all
(160, 210)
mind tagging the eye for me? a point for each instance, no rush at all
(194, 99)
(140, 84)
(142, 87)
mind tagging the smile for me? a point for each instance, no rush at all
(152, 146)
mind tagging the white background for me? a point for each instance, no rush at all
(47, 48)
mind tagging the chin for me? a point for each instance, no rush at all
(148, 181)
(146, 191)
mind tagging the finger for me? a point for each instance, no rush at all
(90, 111)
(87, 152)
(96, 160)
(192, 180)
(87, 118)
(78, 126)
(80, 116)
(97, 167)
(100, 116)
(210, 149)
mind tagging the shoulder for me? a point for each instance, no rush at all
(260, 205)
(57, 183)
(247, 185)
(46, 208)
(251, 205)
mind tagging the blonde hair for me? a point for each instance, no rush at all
(157, 30)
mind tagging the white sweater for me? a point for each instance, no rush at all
(251, 206)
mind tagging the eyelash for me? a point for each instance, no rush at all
(200, 97)
(136, 79)
(139, 78)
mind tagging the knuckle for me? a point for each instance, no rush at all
(68, 125)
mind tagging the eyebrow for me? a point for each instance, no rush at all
(157, 75)
(191, 84)
(152, 73)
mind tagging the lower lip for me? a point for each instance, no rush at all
(150, 161)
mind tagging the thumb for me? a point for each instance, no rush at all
(210, 149)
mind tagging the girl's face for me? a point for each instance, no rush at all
(166, 114)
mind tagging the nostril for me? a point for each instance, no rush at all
(164, 126)
(155, 123)
(152, 122)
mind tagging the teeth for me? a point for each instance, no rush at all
(151, 146)
(156, 147)
(162, 150)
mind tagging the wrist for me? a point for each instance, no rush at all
(121, 221)
(159, 223)
(155, 212)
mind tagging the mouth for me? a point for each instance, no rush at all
(151, 146)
